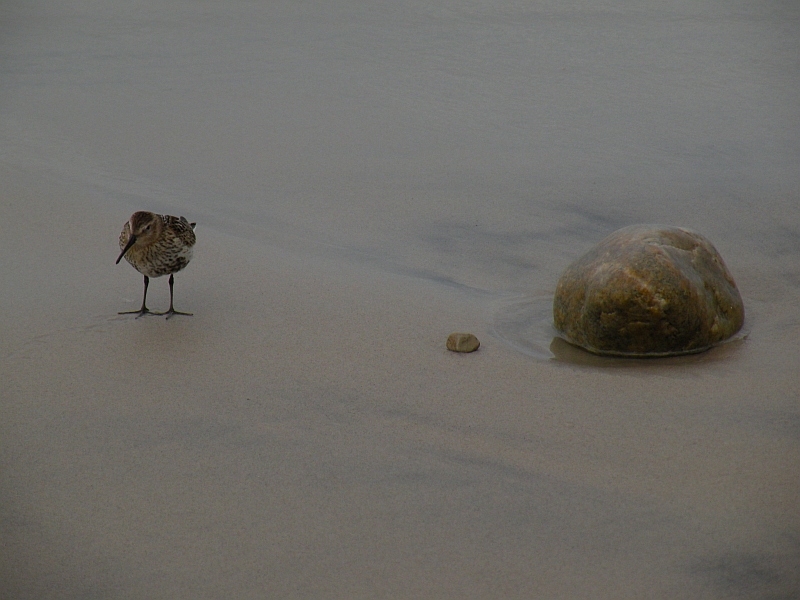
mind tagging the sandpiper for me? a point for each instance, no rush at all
(156, 245)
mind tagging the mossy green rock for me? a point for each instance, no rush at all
(648, 290)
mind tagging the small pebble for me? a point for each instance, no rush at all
(462, 342)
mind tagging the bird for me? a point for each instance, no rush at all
(156, 245)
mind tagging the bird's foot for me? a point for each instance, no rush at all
(172, 311)
(142, 311)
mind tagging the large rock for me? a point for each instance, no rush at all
(648, 290)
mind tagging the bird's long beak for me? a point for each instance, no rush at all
(131, 242)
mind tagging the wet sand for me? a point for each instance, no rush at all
(366, 180)
(306, 434)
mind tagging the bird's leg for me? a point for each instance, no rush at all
(144, 310)
(171, 310)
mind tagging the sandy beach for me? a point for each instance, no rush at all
(306, 434)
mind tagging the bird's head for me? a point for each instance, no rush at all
(143, 229)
